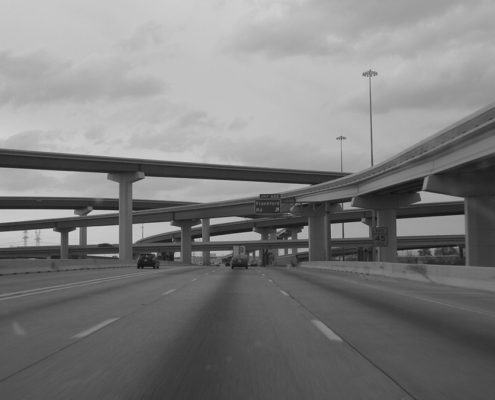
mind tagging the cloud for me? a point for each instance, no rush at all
(428, 53)
(19, 180)
(150, 33)
(36, 140)
(184, 131)
(341, 28)
(37, 77)
(457, 79)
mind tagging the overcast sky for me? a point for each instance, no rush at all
(246, 82)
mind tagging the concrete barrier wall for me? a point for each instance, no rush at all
(9, 267)
(482, 278)
(284, 260)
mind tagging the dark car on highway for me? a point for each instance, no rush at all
(148, 260)
(239, 261)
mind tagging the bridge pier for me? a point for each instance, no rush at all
(385, 207)
(478, 191)
(83, 230)
(319, 234)
(267, 234)
(185, 242)
(64, 241)
(205, 237)
(125, 180)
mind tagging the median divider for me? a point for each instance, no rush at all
(22, 266)
(481, 278)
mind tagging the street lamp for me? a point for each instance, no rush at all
(341, 139)
(369, 74)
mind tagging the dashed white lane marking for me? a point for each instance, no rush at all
(94, 328)
(195, 279)
(284, 293)
(169, 291)
(207, 273)
(269, 280)
(331, 335)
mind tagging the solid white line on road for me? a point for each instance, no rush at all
(169, 291)
(94, 329)
(32, 292)
(331, 335)
(284, 293)
(424, 299)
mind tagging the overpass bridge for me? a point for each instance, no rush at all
(404, 243)
(459, 161)
(75, 203)
(264, 226)
(126, 171)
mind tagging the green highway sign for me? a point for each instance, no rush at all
(262, 207)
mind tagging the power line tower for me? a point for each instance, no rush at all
(25, 238)
(38, 237)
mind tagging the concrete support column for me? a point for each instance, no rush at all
(385, 207)
(320, 246)
(272, 235)
(125, 180)
(266, 234)
(205, 235)
(186, 242)
(294, 233)
(478, 191)
(388, 218)
(64, 241)
(83, 230)
(328, 236)
(370, 253)
(480, 230)
(317, 238)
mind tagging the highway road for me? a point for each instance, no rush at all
(262, 333)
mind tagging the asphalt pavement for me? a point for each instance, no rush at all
(261, 333)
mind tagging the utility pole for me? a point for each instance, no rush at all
(25, 238)
(38, 237)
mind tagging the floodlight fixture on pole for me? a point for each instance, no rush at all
(369, 74)
(341, 138)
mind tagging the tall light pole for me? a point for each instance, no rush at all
(341, 139)
(369, 74)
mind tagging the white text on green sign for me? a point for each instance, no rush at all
(267, 207)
